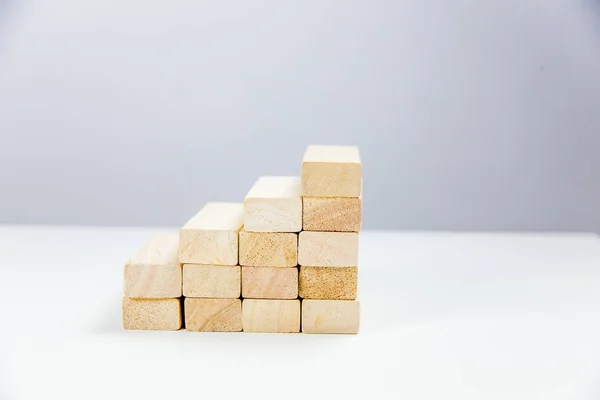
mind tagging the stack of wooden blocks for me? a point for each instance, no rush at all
(284, 261)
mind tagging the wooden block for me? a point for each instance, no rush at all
(211, 281)
(213, 315)
(333, 283)
(332, 214)
(274, 205)
(211, 236)
(330, 316)
(328, 249)
(154, 272)
(269, 283)
(151, 314)
(264, 249)
(274, 316)
(331, 171)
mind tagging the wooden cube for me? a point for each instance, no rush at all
(330, 316)
(211, 236)
(211, 281)
(333, 283)
(269, 283)
(154, 272)
(274, 205)
(274, 316)
(331, 171)
(332, 214)
(151, 314)
(328, 249)
(264, 249)
(213, 315)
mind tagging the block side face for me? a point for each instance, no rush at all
(273, 215)
(152, 281)
(269, 283)
(211, 281)
(333, 283)
(332, 214)
(208, 247)
(331, 179)
(330, 316)
(265, 249)
(271, 316)
(328, 249)
(213, 315)
(151, 314)
(324, 153)
(218, 217)
(275, 187)
(159, 250)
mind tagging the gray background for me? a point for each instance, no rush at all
(478, 115)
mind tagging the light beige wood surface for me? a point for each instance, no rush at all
(331, 171)
(274, 205)
(266, 249)
(330, 316)
(269, 283)
(211, 281)
(211, 236)
(328, 249)
(154, 272)
(333, 283)
(332, 214)
(213, 315)
(151, 314)
(274, 316)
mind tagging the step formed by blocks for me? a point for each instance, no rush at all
(212, 281)
(328, 249)
(271, 316)
(213, 315)
(151, 314)
(333, 283)
(154, 272)
(265, 249)
(211, 236)
(331, 171)
(332, 214)
(330, 316)
(274, 205)
(269, 283)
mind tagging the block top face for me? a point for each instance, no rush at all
(332, 154)
(275, 187)
(161, 249)
(218, 217)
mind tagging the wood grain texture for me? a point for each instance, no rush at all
(154, 272)
(330, 316)
(331, 171)
(274, 205)
(213, 315)
(332, 283)
(271, 316)
(269, 283)
(328, 249)
(211, 236)
(151, 314)
(211, 281)
(265, 249)
(332, 214)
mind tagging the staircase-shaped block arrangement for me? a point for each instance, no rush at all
(283, 261)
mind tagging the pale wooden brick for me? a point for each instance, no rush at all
(330, 316)
(269, 283)
(151, 314)
(274, 316)
(334, 283)
(331, 171)
(263, 249)
(332, 214)
(274, 205)
(213, 315)
(211, 281)
(328, 249)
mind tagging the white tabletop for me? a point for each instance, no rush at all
(444, 316)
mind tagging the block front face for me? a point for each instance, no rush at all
(211, 236)
(263, 249)
(269, 283)
(154, 272)
(328, 249)
(334, 283)
(211, 281)
(330, 316)
(274, 205)
(331, 171)
(151, 314)
(213, 315)
(274, 316)
(332, 214)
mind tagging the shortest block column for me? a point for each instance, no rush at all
(271, 316)
(213, 315)
(330, 316)
(151, 314)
